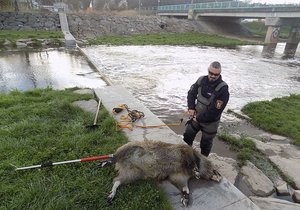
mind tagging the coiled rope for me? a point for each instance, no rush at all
(127, 121)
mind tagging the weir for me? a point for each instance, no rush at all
(69, 38)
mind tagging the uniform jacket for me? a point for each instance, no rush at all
(212, 111)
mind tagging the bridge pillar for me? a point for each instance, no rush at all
(292, 42)
(191, 14)
(271, 41)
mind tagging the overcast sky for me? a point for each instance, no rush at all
(276, 1)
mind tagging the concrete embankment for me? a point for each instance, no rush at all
(91, 25)
(205, 194)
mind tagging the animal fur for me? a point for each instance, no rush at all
(161, 161)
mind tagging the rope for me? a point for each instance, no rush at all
(127, 121)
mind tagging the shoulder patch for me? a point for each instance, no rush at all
(219, 104)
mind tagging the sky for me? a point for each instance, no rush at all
(276, 1)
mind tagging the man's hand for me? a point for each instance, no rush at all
(192, 114)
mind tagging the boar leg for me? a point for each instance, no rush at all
(125, 176)
(181, 182)
(113, 191)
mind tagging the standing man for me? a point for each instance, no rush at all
(206, 100)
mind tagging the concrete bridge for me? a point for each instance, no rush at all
(275, 16)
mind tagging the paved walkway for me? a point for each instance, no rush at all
(205, 195)
(69, 38)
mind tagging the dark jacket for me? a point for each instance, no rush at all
(216, 107)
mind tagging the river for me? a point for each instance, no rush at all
(59, 69)
(159, 76)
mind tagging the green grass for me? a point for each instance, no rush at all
(169, 39)
(38, 126)
(36, 36)
(280, 116)
(15, 35)
(244, 147)
(246, 150)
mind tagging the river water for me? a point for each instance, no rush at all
(59, 69)
(159, 76)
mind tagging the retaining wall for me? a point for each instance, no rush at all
(91, 26)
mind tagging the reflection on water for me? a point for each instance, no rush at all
(160, 76)
(57, 69)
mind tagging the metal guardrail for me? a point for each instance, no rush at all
(222, 5)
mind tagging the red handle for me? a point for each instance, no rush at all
(95, 158)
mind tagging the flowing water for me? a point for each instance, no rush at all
(160, 76)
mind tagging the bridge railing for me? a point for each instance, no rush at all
(220, 5)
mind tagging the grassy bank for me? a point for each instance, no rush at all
(194, 39)
(35, 36)
(280, 116)
(15, 35)
(41, 125)
(169, 39)
(246, 150)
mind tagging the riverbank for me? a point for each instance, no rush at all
(274, 155)
(268, 175)
(134, 30)
(268, 149)
(19, 40)
(45, 125)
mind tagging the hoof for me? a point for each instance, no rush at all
(110, 198)
(217, 177)
(185, 199)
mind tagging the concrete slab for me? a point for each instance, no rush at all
(69, 38)
(204, 194)
(112, 96)
(209, 195)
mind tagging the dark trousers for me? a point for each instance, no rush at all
(206, 142)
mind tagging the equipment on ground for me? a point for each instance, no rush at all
(88, 159)
(127, 121)
(96, 116)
